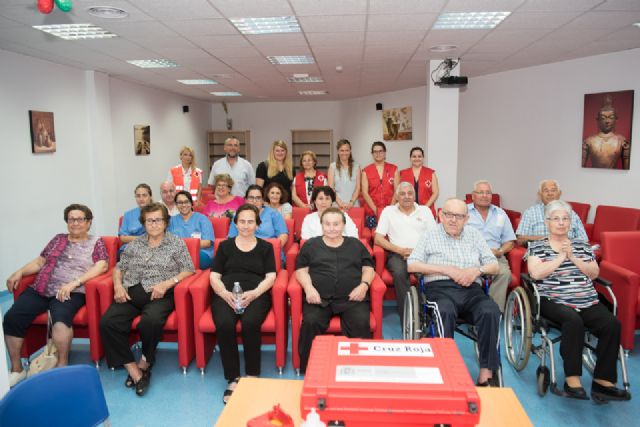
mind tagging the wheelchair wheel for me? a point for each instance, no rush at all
(517, 328)
(588, 355)
(543, 379)
(411, 315)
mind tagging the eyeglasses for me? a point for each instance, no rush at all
(378, 151)
(222, 185)
(451, 215)
(154, 221)
(255, 198)
(76, 220)
(183, 202)
(559, 219)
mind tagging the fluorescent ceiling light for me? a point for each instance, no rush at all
(308, 79)
(469, 20)
(198, 82)
(267, 25)
(443, 48)
(313, 92)
(76, 31)
(288, 60)
(153, 63)
(107, 12)
(226, 93)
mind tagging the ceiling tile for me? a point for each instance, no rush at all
(331, 24)
(483, 5)
(329, 7)
(630, 5)
(383, 23)
(172, 10)
(246, 9)
(387, 7)
(558, 6)
(536, 20)
(202, 27)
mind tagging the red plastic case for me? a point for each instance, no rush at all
(357, 382)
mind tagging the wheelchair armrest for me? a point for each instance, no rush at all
(602, 282)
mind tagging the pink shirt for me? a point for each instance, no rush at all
(215, 209)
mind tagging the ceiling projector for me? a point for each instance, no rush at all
(442, 77)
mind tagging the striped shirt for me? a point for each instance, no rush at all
(567, 284)
(437, 247)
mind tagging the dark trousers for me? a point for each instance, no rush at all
(600, 322)
(30, 304)
(225, 319)
(115, 325)
(354, 323)
(474, 306)
(397, 266)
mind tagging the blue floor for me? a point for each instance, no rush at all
(195, 400)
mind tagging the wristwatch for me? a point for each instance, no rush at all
(366, 283)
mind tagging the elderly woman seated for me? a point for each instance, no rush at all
(335, 273)
(563, 270)
(249, 261)
(224, 203)
(193, 224)
(322, 198)
(143, 283)
(64, 265)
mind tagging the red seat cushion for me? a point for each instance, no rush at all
(206, 324)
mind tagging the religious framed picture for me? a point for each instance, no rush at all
(397, 124)
(606, 130)
(142, 140)
(43, 134)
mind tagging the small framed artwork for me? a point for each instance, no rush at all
(43, 134)
(396, 124)
(606, 130)
(142, 140)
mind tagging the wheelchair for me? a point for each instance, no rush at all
(422, 320)
(522, 320)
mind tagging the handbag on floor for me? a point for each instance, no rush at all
(48, 358)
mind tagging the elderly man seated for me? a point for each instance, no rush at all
(403, 224)
(168, 194)
(532, 224)
(453, 257)
(494, 224)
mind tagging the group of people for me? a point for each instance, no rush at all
(334, 268)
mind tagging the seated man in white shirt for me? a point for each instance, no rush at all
(323, 198)
(403, 224)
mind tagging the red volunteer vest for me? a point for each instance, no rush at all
(380, 189)
(178, 179)
(301, 189)
(425, 184)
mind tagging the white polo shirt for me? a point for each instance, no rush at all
(405, 230)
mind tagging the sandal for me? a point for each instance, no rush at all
(143, 383)
(231, 386)
(129, 382)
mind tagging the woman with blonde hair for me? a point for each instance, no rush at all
(306, 180)
(277, 167)
(344, 177)
(186, 176)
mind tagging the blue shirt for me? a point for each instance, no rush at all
(532, 224)
(496, 230)
(131, 225)
(272, 225)
(198, 226)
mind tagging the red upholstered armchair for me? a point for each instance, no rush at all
(380, 260)
(179, 325)
(220, 227)
(357, 215)
(376, 294)
(581, 209)
(274, 328)
(298, 215)
(620, 265)
(612, 218)
(86, 322)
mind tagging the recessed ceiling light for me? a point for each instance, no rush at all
(153, 63)
(469, 20)
(267, 25)
(107, 12)
(308, 79)
(76, 31)
(443, 48)
(226, 93)
(198, 82)
(313, 92)
(288, 60)
(636, 24)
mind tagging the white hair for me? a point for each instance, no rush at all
(482, 181)
(544, 181)
(557, 205)
(403, 184)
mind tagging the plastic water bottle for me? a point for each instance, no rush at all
(237, 297)
(313, 420)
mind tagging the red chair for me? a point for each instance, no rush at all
(581, 209)
(274, 328)
(357, 216)
(495, 199)
(514, 218)
(294, 290)
(86, 322)
(380, 260)
(298, 215)
(620, 265)
(612, 218)
(220, 227)
(179, 325)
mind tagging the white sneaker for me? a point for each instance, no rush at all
(16, 377)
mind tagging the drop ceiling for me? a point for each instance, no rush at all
(381, 45)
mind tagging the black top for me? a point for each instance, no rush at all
(334, 272)
(248, 268)
(281, 178)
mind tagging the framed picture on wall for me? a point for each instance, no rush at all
(43, 134)
(606, 130)
(396, 124)
(142, 140)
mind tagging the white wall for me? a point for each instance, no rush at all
(521, 126)
(94, 163)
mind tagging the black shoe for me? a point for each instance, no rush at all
(600, 392)
(483, 384)
(143, 383)
(575, 392)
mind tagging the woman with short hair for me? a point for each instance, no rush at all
(275, 196)
(306, 180)
(193, 224)
(223, 204)
(322, 199)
